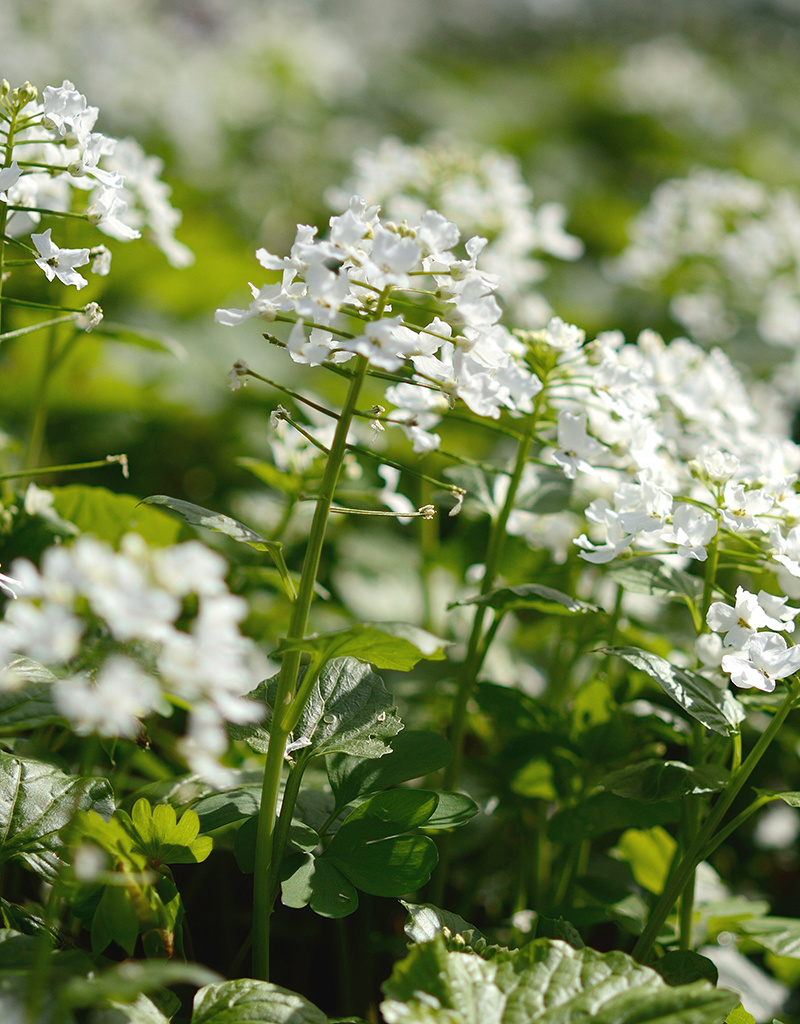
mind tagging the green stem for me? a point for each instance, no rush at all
(706, 835)
(267, 853)
(476, 653)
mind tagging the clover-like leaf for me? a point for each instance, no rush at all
(716, 709)
(387, 645)
(164, 839)
(349, 711)
(545, 982)
(36, 802)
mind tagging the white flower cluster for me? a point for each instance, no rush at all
(753, 658)
(342, 291)
(150, 659)
(726, 245)
(58, 156)
(484, 192)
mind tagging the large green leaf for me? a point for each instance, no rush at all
(546, 981)
(349, 711)
(716, 709)
(665, 780)
(388, 645)
(218, 809)
(27, 703)
(427, 921)
(534, 597)
(237, 1002)
(414, 753)
(110, 516)
(36, 802)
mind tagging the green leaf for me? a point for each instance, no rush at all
(645, 575)
(414, 753)
(371, 851)
(792, 799)
(427, 921)
(533, 596)
(739, 1015)
(386, 645)
(534, 780)
(36, 802)
(289, 483)
(27, 700)
(301, 837)
(123, 983)
(683, 966)
(607, 812)
(236, 1002)
(316, 882)
(218, 809)
(166, 840)
(349, 711)
(780, 935)
(196, 515)
(649, 853)
(665, 780)
(110, 516)
(546, 981)
(716, 709)
(452, 811)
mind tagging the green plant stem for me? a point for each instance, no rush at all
(706, 835)
(476, 652)
(268, 855)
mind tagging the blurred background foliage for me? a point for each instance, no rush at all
(258, 109)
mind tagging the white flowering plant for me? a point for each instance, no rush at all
(607, 538)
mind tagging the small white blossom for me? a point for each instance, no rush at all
(60, 263)
(767, 659)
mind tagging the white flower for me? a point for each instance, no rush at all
(113, 703)
(7, 584)
(575, 446)
(767, 659)
(740, 622)
(692, 529)
(8, 176)
(60, 263)
(743, 507)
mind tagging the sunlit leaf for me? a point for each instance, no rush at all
(386, 645)
(546, 981)
(649, 853)
(164, 839)
(716, 709)
(780, 935)
(349, 711)
(235, 1002)
(109, 515)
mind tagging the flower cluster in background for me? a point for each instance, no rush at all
(134, 632)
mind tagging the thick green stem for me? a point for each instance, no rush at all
(268, 855)
(704, 840)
